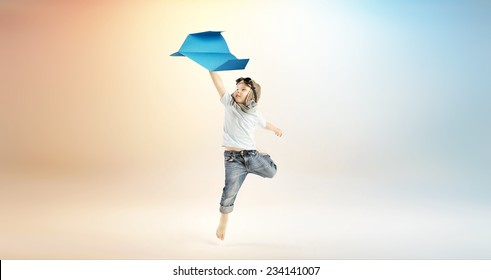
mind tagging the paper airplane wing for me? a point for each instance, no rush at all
(210, 50)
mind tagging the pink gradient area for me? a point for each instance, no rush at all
(78, 88)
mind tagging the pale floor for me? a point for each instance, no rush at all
(164, 214)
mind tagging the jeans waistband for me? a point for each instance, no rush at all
(242, 153)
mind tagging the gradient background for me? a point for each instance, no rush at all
(110, 148)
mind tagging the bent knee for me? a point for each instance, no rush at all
(271, 172)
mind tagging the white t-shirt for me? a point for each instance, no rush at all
(238, 126)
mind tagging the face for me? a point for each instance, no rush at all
(240, 94)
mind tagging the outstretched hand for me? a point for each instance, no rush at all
(272, 127)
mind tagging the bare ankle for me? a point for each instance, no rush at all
(222, 226)
(224, 217)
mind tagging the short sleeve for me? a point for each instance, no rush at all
(226, 98)
(260, 120)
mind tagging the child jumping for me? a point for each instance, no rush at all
(241, 156)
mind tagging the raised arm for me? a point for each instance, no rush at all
(277, 131)
(217, 81)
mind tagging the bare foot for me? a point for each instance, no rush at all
(222, 227)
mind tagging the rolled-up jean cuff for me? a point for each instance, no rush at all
(226, 209)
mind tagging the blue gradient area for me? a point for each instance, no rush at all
(450, 41)
(423, 82)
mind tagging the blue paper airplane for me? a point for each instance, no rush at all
(210, 50)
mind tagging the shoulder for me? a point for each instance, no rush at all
(226, 98)
(260, 119)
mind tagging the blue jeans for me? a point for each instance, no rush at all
(237, 165)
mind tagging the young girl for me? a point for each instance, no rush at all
(241, 156)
